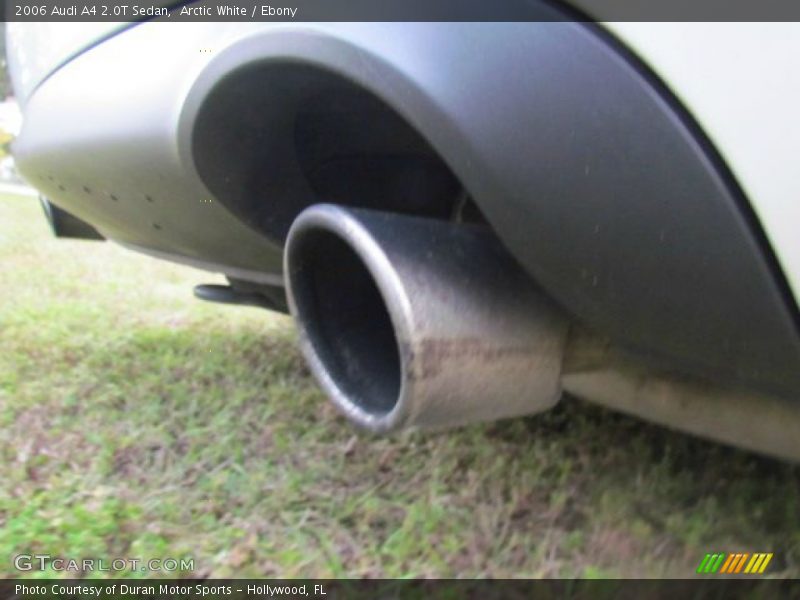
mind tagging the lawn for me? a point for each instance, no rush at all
(136, 421)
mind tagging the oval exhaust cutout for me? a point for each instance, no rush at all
(409, 322)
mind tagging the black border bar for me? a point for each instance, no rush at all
(326, 589)
(395, 10)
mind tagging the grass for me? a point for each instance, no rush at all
(138, 422)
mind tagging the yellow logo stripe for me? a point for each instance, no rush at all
(757, 558)
(765, 563)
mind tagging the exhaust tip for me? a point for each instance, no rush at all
(346, 329)
(414, 322)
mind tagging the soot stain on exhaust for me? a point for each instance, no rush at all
(433, 354)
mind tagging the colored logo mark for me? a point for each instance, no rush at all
(731, 564)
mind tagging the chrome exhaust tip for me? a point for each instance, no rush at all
(409, 322)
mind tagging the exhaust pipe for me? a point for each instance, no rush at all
(409, 322)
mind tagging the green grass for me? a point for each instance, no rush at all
(136, 421)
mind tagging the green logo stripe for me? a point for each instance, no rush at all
(711, 562)
(703, 563)
(718, 564)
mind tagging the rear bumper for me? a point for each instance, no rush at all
(102, 138)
